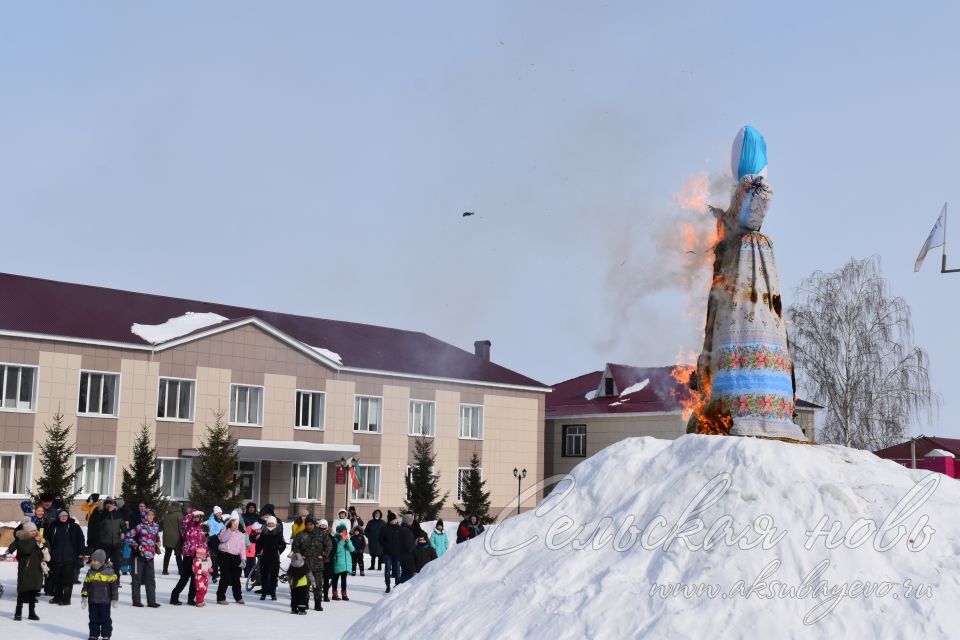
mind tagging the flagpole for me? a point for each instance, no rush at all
(943, 260)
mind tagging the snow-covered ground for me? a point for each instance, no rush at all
(191, 623)
(634, 575)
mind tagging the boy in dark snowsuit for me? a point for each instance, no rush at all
(301, 583)
(100, 592)
(359, 546)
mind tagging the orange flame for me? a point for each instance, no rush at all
(694, 192)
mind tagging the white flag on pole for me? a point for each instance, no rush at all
(935, 239)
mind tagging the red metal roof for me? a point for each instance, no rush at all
(569, 398)
(49, 307)
(925, 444)
(661, 393)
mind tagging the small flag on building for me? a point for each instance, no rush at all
(936, 238)
(357, 483)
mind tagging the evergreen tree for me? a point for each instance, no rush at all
(423, 485)
(215, 479)
(476, 501)
(56, 460)
(141, 480)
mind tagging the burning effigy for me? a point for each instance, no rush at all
(744, 383)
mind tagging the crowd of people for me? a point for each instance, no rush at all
(219, 548)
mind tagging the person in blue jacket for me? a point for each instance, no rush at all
(438, 539)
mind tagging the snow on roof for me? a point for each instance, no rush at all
(590, 395)
(639, 386)
(939, 453)
(619, 550)
(176, 327)
(329, 355)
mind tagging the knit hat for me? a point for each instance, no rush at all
(94, 498)
(26, 506)
(63, 512)
(296, 560)
(310, 520)
(197, 513)
(99, 556)
(109, 501)
(270, 520)
(391, 516)
(256, 526)
(438, 524)
(407, 518)
(234, 515)
(29, 526)
(217, 510)
(152, 511)
(323, 523)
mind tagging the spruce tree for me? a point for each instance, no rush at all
(56, 460)
(215, 479)
(423, 485)
(141, 480)
(476, 501)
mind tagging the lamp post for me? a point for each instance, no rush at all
(519, 475)
(345, 465)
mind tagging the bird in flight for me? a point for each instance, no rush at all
(467, 214)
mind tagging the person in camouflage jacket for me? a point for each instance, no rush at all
(315, 546)
(144, 541)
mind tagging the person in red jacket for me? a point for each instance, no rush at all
(192, 536)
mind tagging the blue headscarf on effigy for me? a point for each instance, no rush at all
(749, 153)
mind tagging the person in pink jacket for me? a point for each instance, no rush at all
(191, 537)
(232, 551)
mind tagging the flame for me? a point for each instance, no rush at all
(694, 192)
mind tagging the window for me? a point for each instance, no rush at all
(410, 469)
(422, 418)
(366, 414)
(369, 490)
(463, 475)
(94, 475)
(175, 399)
(246, 405)
(608, 387)
(574, 441)
(14, 473)
(306, 482)
(17, 385)
(98, 394)
(249, 485)
(471, 421)
(309, 410)
(175, 477)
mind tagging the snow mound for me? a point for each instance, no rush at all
(176, 327)
(601, 556)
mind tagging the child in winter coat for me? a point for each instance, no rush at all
(253, 532)
(202, 568)
(100, 592)
(302, 583)
(32, 557)
(422, 554)
(342, 560)
(359, 545)
(438, 539)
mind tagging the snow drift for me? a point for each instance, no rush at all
(705, 536)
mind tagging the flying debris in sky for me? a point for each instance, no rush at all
(467, 214)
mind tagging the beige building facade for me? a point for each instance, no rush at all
(295, 410)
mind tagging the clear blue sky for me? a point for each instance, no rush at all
(316, 159)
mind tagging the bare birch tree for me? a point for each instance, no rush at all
(854, 354)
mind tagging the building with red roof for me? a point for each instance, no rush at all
(590, 412)
(300, 394)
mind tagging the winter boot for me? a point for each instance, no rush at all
(317, 601)
(336, 595)
(345, 597)
(33, 612)
(372, 561)
(361, 571)
(65, 596)
(18, 612)
(388, 589)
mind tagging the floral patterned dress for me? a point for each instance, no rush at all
(746, 370)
